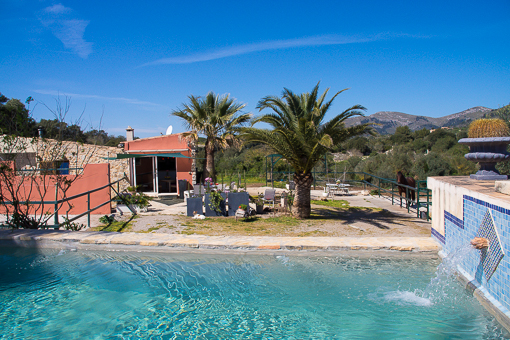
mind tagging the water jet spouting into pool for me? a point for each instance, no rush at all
(480, 243)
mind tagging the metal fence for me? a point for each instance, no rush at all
(57, 203)
(382, 186)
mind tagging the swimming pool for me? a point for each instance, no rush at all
(115, 295)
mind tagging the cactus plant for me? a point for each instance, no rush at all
(488, 127)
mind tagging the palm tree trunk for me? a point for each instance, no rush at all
(301, 207)
(209, 167)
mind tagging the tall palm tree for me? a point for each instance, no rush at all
(215, 117)
(301, 136)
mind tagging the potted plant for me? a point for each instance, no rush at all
(488, 139)
(141, 202)
(259, 203)
(235, 199)
(127, 202)
(215, 203)
(242, 211)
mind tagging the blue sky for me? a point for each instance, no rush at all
(132, 63)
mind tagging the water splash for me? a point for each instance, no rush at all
(440, 285)
(407, 298)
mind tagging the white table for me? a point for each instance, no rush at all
(338, 188)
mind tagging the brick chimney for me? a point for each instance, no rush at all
(130, 134)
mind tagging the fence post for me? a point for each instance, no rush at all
(56, 206)
(418, 200)
(379, 186)
(392, 192)
(88, 210)
(364, 182)
(407, 200)
(428, 204)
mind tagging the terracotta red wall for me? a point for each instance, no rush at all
(164, 144)
(42, 188)
(94, 176)
(184, 170)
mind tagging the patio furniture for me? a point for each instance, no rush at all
(331, 189)
(343, 188)
(269, 196)
(199, 189)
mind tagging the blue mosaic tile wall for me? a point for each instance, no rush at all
(481, 218)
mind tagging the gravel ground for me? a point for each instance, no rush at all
(372, 216)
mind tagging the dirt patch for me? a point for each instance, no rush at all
(171, 224)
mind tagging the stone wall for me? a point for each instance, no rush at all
(78, 154)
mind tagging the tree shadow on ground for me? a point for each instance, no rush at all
(379, 218)
(118, 226)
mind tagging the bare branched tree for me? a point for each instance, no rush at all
(35, 169)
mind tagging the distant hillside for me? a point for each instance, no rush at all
(390, 120)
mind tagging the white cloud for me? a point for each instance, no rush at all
(69, 31)
(57, 9)
(91, 96)
(270, 45)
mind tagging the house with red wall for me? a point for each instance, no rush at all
(157, 164)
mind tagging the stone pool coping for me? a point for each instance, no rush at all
(160, 241)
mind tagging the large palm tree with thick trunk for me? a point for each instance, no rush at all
(300, 134)
(215, 117)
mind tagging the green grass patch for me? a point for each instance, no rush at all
(343, 204)
(158, 226)
(116, 226)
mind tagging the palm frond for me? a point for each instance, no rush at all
(299, 132)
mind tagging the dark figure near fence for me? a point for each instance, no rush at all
(409, 181)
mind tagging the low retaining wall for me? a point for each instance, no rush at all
(462, 209)
(162, 241)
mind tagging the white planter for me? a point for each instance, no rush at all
(241, 213)
(123, 209)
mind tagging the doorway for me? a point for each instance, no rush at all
(167, 175)
(144, 170)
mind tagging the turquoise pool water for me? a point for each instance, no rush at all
(51, 294)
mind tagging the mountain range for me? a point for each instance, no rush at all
(389, 120)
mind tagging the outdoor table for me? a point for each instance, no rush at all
(338, 188)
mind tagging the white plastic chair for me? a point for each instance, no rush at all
(199, 189)
(269, 196)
